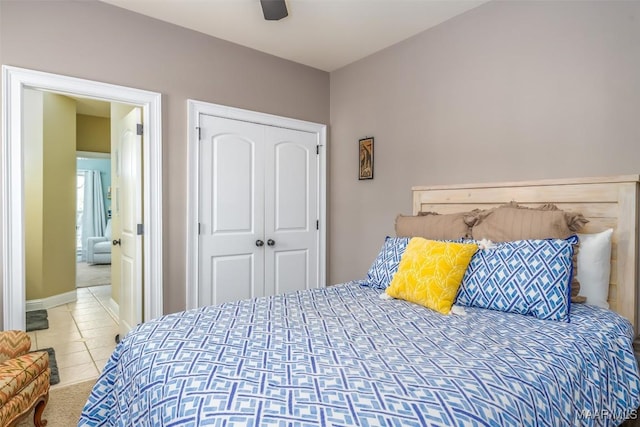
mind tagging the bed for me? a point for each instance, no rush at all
(343, 356)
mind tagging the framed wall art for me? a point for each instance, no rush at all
(365, 168)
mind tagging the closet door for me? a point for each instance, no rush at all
(258, 207)
(291, 210)
(231, 210)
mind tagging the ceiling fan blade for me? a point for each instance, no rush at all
(274, 10)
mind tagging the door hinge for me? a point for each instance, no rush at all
(317, 224)
(140, 230)
(199, 228)
(139, 129)
(317, 149)
(199, 133)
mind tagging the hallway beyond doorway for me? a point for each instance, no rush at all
(92, 274)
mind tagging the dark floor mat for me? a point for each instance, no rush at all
(37, 320)
(53, 365)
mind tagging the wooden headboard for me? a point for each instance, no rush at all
(607, 202)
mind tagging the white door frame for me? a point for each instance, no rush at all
(195, 108)
(14, 80)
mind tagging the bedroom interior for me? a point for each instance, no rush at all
(506, 92)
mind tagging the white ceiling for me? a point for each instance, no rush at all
(324, 34)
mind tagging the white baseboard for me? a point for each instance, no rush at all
(52, 301)
(114, 308)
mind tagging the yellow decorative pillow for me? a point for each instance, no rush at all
(430, 273)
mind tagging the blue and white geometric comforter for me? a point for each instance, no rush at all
(341, 356)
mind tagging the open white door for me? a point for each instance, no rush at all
(128, 206)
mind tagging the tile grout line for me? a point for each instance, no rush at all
(108, 312)
(84, 342)
(82, 335)
(86, 296)
(106, 309)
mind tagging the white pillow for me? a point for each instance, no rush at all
(594, 267)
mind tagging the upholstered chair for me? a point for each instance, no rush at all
(24, 379)
(99, 248)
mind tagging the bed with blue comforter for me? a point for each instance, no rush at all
(342, 356)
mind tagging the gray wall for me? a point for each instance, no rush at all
(511, 90)
(507, 91)
(97, 41)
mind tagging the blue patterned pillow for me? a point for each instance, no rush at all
(386, 263)
(530, 277)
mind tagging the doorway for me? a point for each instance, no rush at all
(93, 247)
(16, 80)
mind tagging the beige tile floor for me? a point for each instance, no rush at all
(81, 333)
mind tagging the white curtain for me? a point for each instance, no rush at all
(93, 218)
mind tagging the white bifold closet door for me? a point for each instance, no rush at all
(258, 210)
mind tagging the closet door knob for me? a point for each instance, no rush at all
(116, 242)
(259, 243)
(271, 242)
